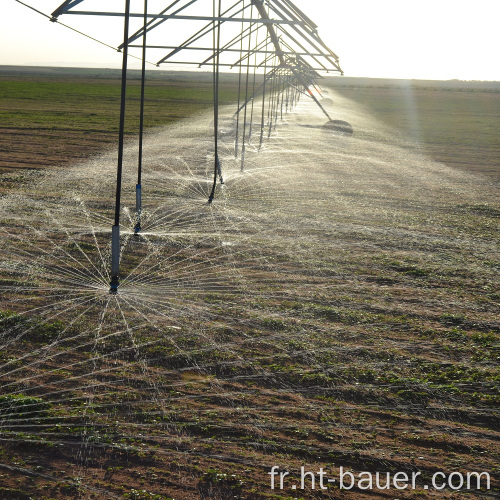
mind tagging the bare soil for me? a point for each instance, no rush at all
(365, 334)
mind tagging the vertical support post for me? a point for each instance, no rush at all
(282, 94)
(270, 111)
(287, 92)
(239, 86)
(243, 143)
(115, 232)
(253, 98)
(216, 74)
(263, 97)
(138, 187)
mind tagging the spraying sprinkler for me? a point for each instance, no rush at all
(217, 173)
(280, 38)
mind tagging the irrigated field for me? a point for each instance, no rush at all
(454, 122)
(337, 305)
(54, 117)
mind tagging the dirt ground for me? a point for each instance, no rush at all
(336, 306)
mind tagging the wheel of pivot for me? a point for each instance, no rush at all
(339, 126)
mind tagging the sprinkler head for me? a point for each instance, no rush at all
(137, 228)
(114, 285)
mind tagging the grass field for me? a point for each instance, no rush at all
(52, 119)
(457, 123)
(343, 308)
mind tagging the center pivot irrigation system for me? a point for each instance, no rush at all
(274, 45)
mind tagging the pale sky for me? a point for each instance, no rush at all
(423, 39)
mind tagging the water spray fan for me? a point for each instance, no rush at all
(271, 42)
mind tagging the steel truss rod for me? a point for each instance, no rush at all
(54, 20)
(303, 65)
(274, 39)
(248, 53)
(290, 53)
(187, 18)
(303, 92)
(299, 14)
(259, 4)
(303, 48)
(309, 27)
(298, 54)
(310, 37)
(267, 59)
(313, 29)
(148, 26)
(323, 68)
(232, 65)
(267, 77)
(199, 34)
(68, 4)
(234, 41)
(287, 12)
